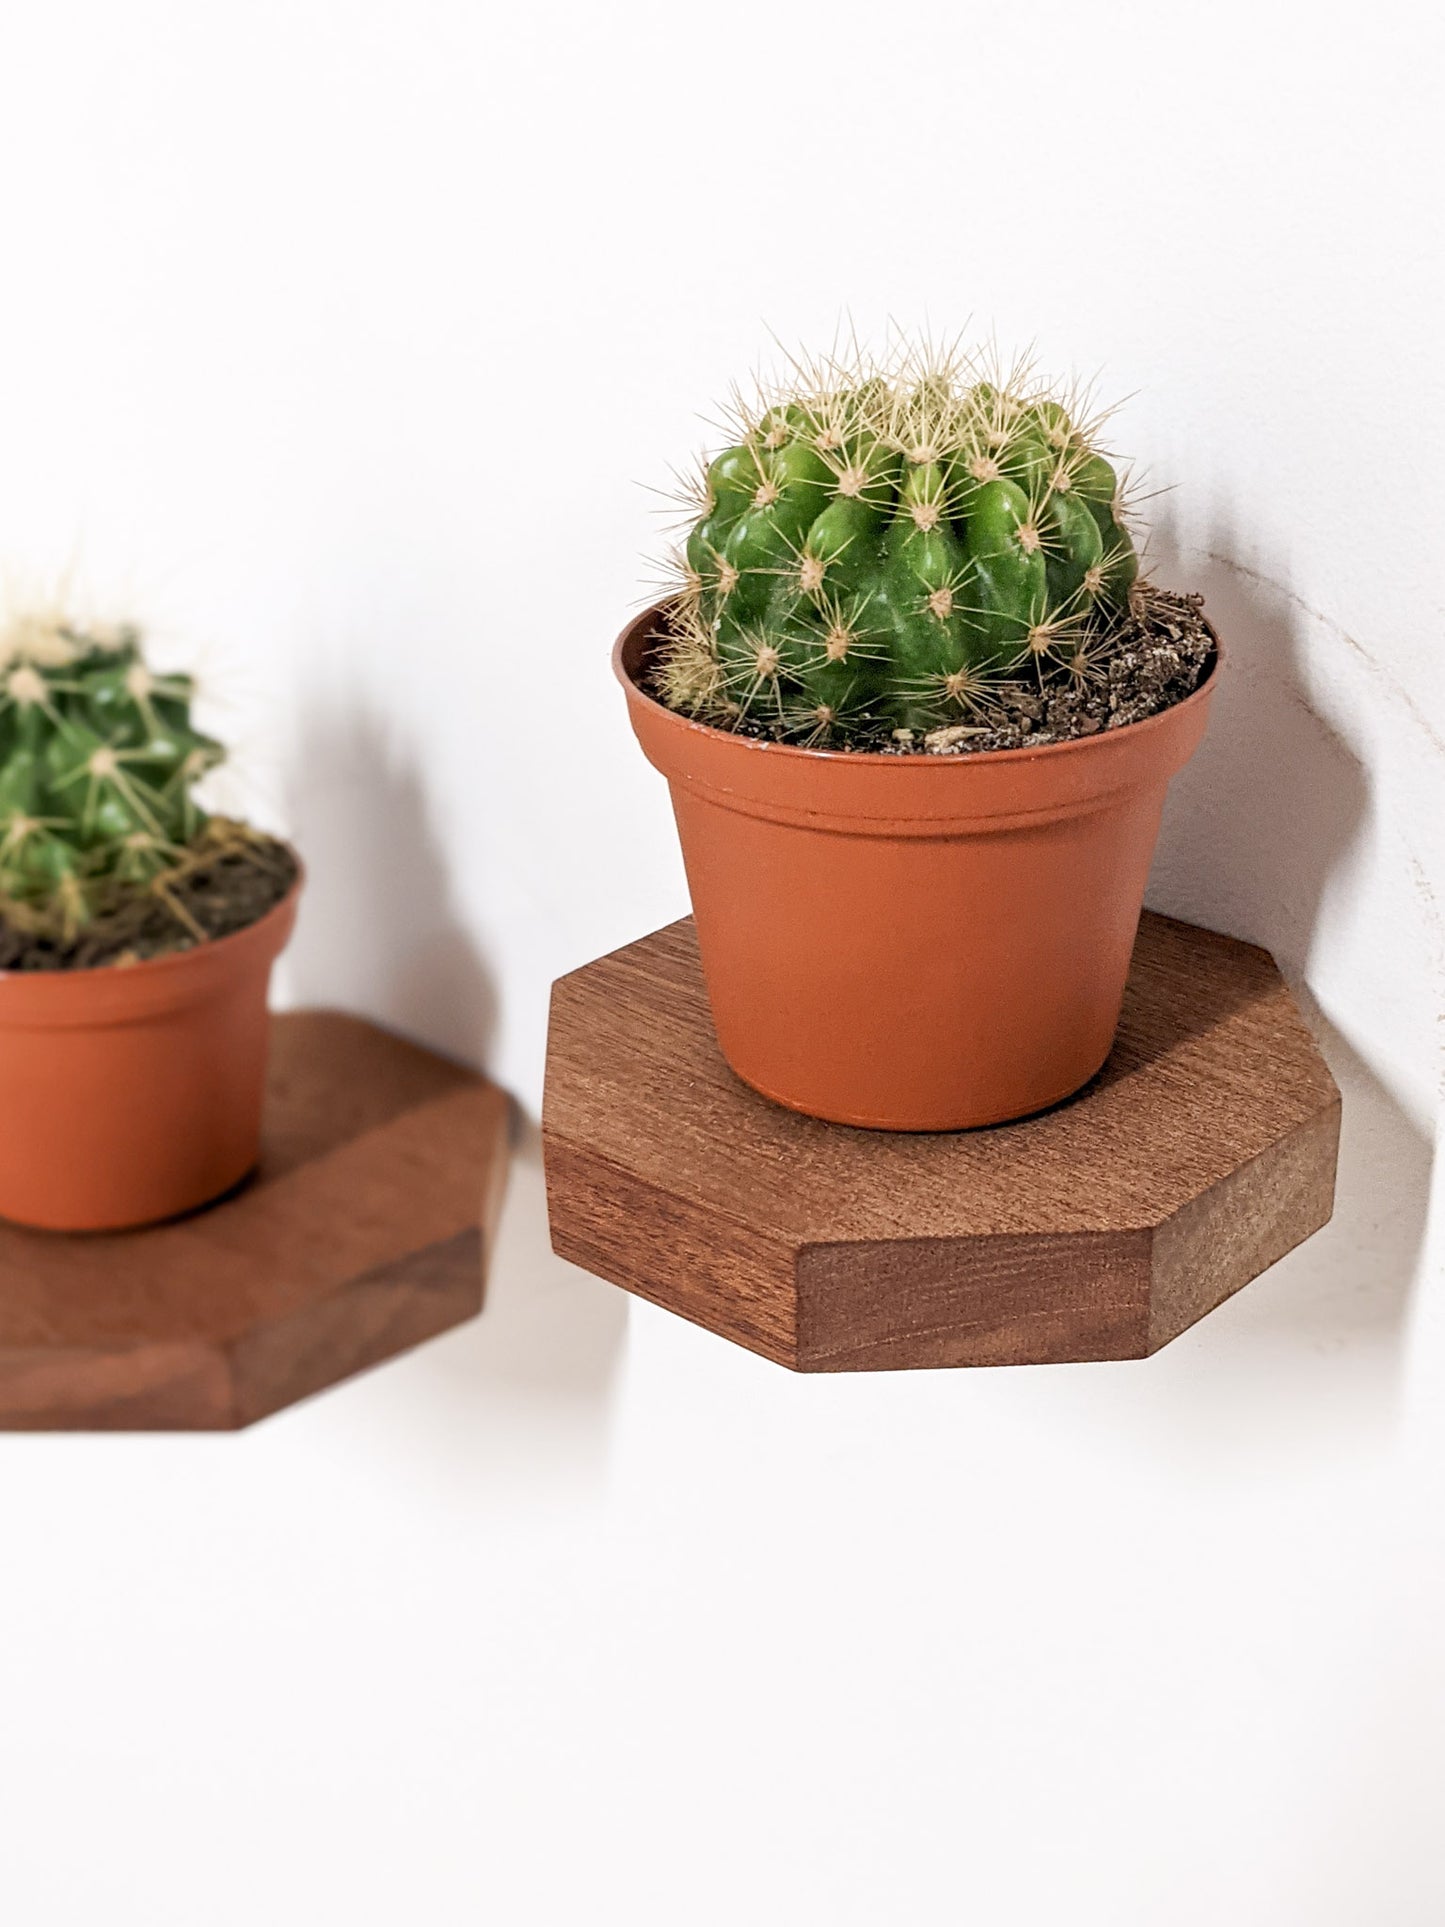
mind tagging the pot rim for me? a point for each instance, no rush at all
(882, 759)
(153, 969)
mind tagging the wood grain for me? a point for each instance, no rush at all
(364, 1230)
(1202, 1152)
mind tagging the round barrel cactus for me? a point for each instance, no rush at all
(98, 766)
(885, 546)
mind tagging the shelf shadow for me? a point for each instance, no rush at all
(1309, 1359)
(536, 1373)
(516, 1405)
(1356, 1280)
(523, 1392)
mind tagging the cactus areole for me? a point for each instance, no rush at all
(882, 560)
(139, 934)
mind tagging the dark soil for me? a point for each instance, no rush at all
(1156, 656)
(219, 894)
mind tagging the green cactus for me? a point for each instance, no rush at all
(98, 765)
(885, 546)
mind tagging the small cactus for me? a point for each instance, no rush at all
(883, 546)
(98, 767)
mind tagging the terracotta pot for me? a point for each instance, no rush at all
(914, 943)
(133, 1093)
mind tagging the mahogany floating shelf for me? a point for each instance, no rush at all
(1202, 1152)
(364, 1230)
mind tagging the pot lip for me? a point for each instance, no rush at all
(153, 969)
(880, 759)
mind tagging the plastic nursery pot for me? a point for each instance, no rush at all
(914, 943)
(133, 1092)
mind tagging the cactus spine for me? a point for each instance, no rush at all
(883, 546)
(98, 766)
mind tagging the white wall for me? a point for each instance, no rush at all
(336, 340)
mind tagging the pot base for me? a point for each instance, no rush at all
(17, 1214)
(1101, 1229)
(929, 1127)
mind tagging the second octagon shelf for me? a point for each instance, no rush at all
(1202, 1152)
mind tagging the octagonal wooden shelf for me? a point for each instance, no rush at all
(1202, 1152)
(364, 1230)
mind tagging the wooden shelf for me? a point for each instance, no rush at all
(365, 1229)
(1202, 1152)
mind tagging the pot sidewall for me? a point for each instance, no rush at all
(921, 942)
(133, 1094)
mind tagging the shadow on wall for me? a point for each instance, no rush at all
(520, 1401)
(1269, 810)
(1307, 1361)
(1260, 829)
(1358, 1289)
(379, 935)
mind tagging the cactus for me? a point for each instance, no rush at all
(98, 765)
(883, 546)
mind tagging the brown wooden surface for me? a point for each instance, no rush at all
(364, 1230)
(1203, 1151)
